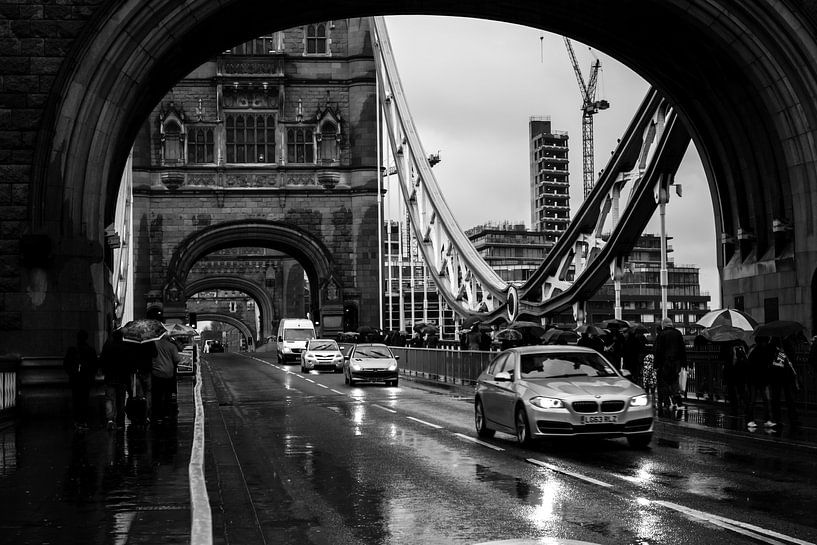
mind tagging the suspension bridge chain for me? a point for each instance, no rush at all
(595, 241)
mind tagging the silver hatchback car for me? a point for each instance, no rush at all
(321, 354)
(370, 362)
(557, 391)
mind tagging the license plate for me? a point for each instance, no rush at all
(600, 419)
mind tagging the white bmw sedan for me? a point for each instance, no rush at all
(560, 391)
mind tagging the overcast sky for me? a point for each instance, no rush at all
(472, 85)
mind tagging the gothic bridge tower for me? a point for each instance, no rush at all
(269, 147)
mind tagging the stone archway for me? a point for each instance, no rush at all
(302, 246)
(259, 295)
(243, 328)
(744, 79)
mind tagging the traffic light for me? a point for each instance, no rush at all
(192, 320)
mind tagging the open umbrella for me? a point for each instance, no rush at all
(726, 334)
(531, 331)
(614, 323)
(365, 330)
(728, 316)
(180, 330)
(779, 328)
(471, 321)
(422, 328)
(634, 328)
(559, 336)
(143, 330)
(592, 330)
(508, 335)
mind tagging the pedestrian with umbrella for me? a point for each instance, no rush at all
(142, 334)
(758, 367)
(669, 357)
(116, 362)
(632, 360)
(591, 337)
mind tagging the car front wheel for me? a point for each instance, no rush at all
(479, 421)
(523, 436)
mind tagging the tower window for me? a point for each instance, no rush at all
(250, 138)
(200, 145)
(300, 147)
(316, 39)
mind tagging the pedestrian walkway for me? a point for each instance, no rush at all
(60, 486)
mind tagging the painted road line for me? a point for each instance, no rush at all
(424, 422)
(308, 380)
(744, 528)
(201, 524)
(384, 408)
(341, 393)
(323, 386)
(569, 473)
(478, 442)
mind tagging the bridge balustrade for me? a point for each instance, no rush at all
(450, 365)
(8, 388)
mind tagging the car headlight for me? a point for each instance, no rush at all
(393, 366)
(354, 367)
(337, 358)
(547, 403)
(639, 401)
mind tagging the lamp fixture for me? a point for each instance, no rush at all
(299, 115)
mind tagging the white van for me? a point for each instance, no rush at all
(293, 333)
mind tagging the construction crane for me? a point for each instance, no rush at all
(590, 106)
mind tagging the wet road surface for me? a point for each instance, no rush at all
(295, 458)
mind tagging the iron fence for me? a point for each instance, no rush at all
(705, 382)
(8, 386)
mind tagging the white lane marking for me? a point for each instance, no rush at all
(424, 422)
(323, 386)
(744, 528)
(477, 441)
(557, 469)
(384, 408)
(201, 525)
(308, 380)
(333, 390)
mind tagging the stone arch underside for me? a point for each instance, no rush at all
(742, 75)
(227, 319)
(259, 295)
(309, 251)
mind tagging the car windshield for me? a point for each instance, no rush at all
(323, 345)
(298, 334)
(372, 352)
(563, 365)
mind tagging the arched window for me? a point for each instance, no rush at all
(300, 148)
(329, 143)
(172, 143)
(316, 39)
(200, 145)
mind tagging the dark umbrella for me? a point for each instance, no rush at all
(471, 321)
(422, 328)
(508, 335)
(559, 336)
(614, 323)
(528, 329)
(726, 334)
(591, 329)
(143, 330)
(365, 330)
(779, 328)
(634, 328)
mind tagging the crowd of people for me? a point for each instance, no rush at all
(138, 377)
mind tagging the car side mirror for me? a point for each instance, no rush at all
(626, 373)
(503, 377)
(396, 357)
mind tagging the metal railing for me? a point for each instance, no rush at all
(8, 387)
(450, 365)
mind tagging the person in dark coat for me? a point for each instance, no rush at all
(758, 362)
(591, 341)
(782, 382)
(474, 338)
(631, 355)
(116, 362)
(80, 363)
(670, 356)
(733, 358)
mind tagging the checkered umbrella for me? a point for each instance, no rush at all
(730, 317)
